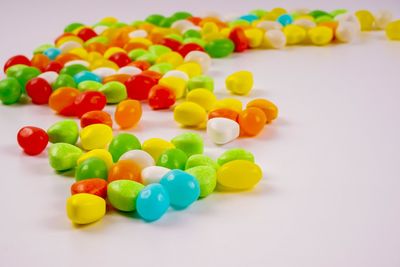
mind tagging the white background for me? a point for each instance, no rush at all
(330, 196)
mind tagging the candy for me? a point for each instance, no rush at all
(23, 75)
(122, 143)
(239, 39)
(206, 177)
(220, 48)
(153, 174)
(240, 82)
(190, 143)
(99, 153)
(252, 121)
(122, 194)
(173, 58)
(16, 60)
(49, 76)
(269, 108)
(128, 113)
(201, 58)
(235, 154)
(189, 114)
(366, 20)
(95, 136)
(202, 97)
(91, 168)
(130, 70)
(39, 90)
(103, 72)
(230, 103)
(63, 156)
(86, 76)
(201, 81)
(393, 30)
(120, 58)
(294, 34)
(115, 92)
(285, 19)
(32, 140)
(65, 131)
(382, 19)
(94, 117)
(222, 130)
(85, 208)
(10, 91)
(177, 85)
(200, 160)
(63, 80)
(177, 73)
(156, 146)
(183, 189)
(138, 86)
(89, 101)
(192, 69)
(94, 186)
(62, 101)
(140, 157)
(223, 113)
(320, 35)
(74, 69)
(189, 47)
(255, 37)
(124, 170)
(269, 25)
(239, 175)
(345, 32)
(161, 97)
(152, 202)
(172, 158)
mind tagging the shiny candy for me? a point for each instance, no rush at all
(85, 208)
(152, 202)
(32, 140)
(207, 178)
(128, 113)
(269, 108)
(115, 92)
(222, 130)
(124, 170)
(239, 175)
(100, 153)
(240, 82)
(93, 186)
(140, 157)
(190, 143)
(122, 143)
(156, 146)
(10, 91)
(252, 120)
(65, 131)
(172, 158)
(200, 160)
(199, 57)
(235, 154)
(189, 114)
(122, 194)
(203, 97)
(91, 168)
(63, 156)
(153, 174)
(95, 136)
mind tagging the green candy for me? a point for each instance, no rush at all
(172, 159)
(161, 67)
(220, 48)
(137, 23)
(10, 91)
(149, 57)
(122, 194)
(181, 15)
(63, 156)
(74, 69)
(175, 37)
(191, 34)
(207, 178)
(155, 19)
(194, 40)
(115, 92)
(318, 13)
(118, 24)
(258, 12)
(336, 12)
(65, 131)
(23, 74)
(201, 81)
(136, 53)
(201, 160)
(73, 26)
(97, 39)
(91, 168)
(235, 154)
(63, 80)
(13, 70)
(159, 50)
(190, 143)
(89, 86)
(323, 19)
(40, 49)
(239, 22)
(122, 143)
(167, 22)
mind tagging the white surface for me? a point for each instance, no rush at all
(331, 193)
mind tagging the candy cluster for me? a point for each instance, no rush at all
(161, 61)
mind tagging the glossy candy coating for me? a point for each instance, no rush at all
(239, 175)
(140, 157)
(189, 114)
(200, 160)
(156, 146)
(269, 108)
(176, 84)
(63, 156)
(96, 116)
(94, 186)
(115, 92)
(220, 48)
(161, 97)
(95, 136)
(64, 131)
(153, 174)
(16, 60)
(122, 143)
(124, 170)
(128, 113)
(62, 101)
(89, 101)
(122, 194)
(252, 121)
(206, 177)
(138, 86)
(223, 113)
(85, 208)
(152, 202)
(10, 91)
(235, 154)
(172, 158)
(100, 153)
(222, 130)
(91, 168)
(240, 82)
(190, 143)
(32, 140)
(202, 97)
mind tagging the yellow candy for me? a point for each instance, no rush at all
(178, 85)
(279, 11)
(192, 69)
(162, 31)
(112, 50)
(80, 52)
(101, 153)
(230, 103)
(294, 34)
(203, 97)
(156, 146)
(393, 30)
(95, 136)
(109, 20)
(173, 58)
(209, 28)
(67, 39)
(141, 40)
(320, 35)
(190, 114)
(225, 32)
(212, 36)
(239, 175)
(255, 37)
(106, 64)
(366, 20)
(240, 82)
(85, 208)
(271, 16)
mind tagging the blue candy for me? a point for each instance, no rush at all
(285, 19)
(86, 76)
(52, 52)
(249, 17)
(152, 202)
(183, 189)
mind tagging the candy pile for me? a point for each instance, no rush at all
(161, 61)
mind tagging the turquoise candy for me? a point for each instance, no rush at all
(220, 48)
(122, 143)
(201, 160)
(40, 49)
(285, 19)
(52, 52)
(63, 156)
(65, 131)
(91, 168)
(122, 194)
(152, 202)
(235, 154)
(63, 80)
(190, 143)
(74, 69)
(172, 159)
(86, 76)
(10, 91)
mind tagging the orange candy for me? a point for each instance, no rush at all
(116, 78)
(252, 120)
(95, 117)
(124, 170)
(128, 113)
(64, 58)
(94, 186)
(62, 101)
(130, 46)
(40, 61)
(223, 113)
(143, 65)
(269, 108)
(97, 47)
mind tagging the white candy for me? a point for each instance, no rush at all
(178, 74)
(68, 46)
(100, 29)
(77, 62)
(104, 72)
(138, 33)
(140, 157)
(130, 70)
(222, 130)
(346, 31)
(348, 17)
(153, 174)
(269, 25)
(49, 76)
(181, 24)
(275, 39)
(382, 19)
(200, 57)
(305, 23)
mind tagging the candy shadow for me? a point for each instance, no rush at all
(68, 173)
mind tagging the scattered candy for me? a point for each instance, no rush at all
(152, 202)
(85, 208)
(32, 140)
(122, 194)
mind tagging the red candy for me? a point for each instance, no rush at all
(39, 90)
(187, 48)
(86, 34)
(89, 101)
(121, 59)
(139, 85)
(223, 113)
(53, 66)
(95, 117)
(152, 74)
(239, 38)
(18, 59)
(143, 65)
(32, 140)
(161, 97)
(171, 43)
(94, 186)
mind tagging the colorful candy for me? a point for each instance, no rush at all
(152, 202)
(122, 194)
(65, 131)
(63, 156)
(85, 208)
(222, 130)
(239, 174)
(94, 186)
(95, 136)
(128, 113)
(32, 140)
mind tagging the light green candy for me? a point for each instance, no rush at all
(149, 57)
(65, 131)
(161, 67)
(201, 81)
(207, 178)
(238, 22)
(40, 49)
(190, 143)
(235, 154)
(91, 168)
(89, 86)
(115, 92)
(97, 39)
(194, 40)
(175, 36)
(122, 194)
(201, 160)
(13, 70)
(159, 50)
(10, 91)
(63, 156)
(136, 53)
